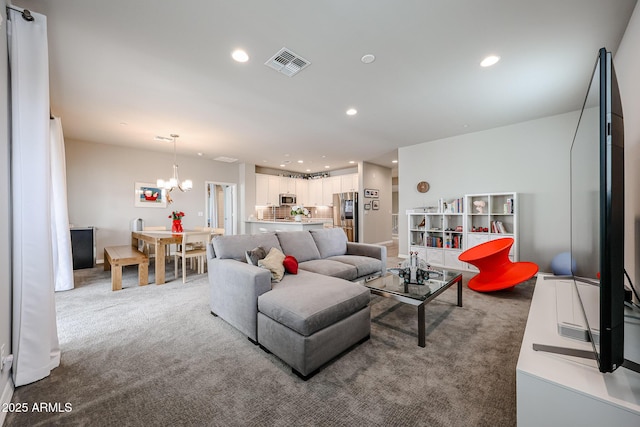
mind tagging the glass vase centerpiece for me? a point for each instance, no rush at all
(298, 212)
(414, 270)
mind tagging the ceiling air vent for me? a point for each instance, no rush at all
(226, 159)
(287, 62)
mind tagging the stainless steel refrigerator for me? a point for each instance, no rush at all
(345, 214)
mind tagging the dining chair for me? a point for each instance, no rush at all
(200, 228)
(193, 247)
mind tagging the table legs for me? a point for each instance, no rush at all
(160, 254)
(422, 319)
(421, 326)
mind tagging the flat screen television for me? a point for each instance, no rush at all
(597, 214)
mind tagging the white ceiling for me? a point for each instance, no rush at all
(125, 71)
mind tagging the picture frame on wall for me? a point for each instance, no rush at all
(367, 206)
(375, 205)
(147, 195)
(371, 193)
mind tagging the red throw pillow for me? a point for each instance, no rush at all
(290, 264)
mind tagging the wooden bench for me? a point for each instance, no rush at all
(116, 257)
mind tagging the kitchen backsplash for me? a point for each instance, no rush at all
(282, 212)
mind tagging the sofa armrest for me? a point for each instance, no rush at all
(234, 290)
(370, 250)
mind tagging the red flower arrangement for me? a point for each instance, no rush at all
(176, 215)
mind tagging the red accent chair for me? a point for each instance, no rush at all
(496, 269)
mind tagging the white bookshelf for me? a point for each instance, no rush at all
(497, 220)
(439, 237)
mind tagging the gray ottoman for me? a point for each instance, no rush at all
(308, 319)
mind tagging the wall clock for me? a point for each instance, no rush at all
(423, 186)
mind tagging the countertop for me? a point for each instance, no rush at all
(290, 221)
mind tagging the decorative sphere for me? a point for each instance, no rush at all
(563, 265)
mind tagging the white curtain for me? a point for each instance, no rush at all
(35, 339)
(61, 237)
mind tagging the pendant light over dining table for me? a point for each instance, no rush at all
(174, 181)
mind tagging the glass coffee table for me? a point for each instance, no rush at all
(392, 286)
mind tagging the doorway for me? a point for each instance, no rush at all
(221, 207)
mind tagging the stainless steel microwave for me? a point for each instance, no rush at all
(287, 199)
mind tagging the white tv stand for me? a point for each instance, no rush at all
(560, 390)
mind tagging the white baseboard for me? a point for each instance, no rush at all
(388, 242)
(5, 398)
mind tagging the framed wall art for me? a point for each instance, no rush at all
(149, 196)
(371, 193)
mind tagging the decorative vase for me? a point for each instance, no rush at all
(176, 227)
(298, 218)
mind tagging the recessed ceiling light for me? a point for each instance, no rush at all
(368, 59)
(300, 161)
(123, 123)
(351, 161)
(394, 161)
(308, 170)
(240, 55)
(327, 167)
(489, 61)
(281, 166)
(352, 112)
(200, 154)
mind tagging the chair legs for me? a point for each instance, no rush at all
(199, 264)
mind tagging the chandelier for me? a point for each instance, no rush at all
(174, 181)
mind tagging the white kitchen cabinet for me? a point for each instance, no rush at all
(287, 185)
(315, 192)
(330, 186)
(348, 182)
(267, 190)
(302, 191)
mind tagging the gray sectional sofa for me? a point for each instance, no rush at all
(307, 318)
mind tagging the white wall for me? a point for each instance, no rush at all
(627, 65)
(375, 225)
(5, 208)
(100, 186)
(246, 194)
(530, 158)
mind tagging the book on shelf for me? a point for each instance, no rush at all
(497, 227)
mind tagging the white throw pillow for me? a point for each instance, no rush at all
(273, 262)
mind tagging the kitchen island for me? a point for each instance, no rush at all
(261, 226)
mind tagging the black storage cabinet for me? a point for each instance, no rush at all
(83, 247)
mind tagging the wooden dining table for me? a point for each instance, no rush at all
(160, 240)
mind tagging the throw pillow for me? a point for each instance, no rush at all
(273, 262)
(255, 255)
(290, 264)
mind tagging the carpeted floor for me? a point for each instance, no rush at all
(154, 356)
